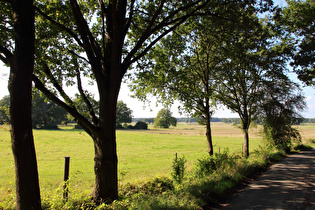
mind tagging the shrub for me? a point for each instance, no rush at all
(209, 164)
(50, 126)
(205, 166)
(156, 185)
(77, 127)
(141, 125)
(119, 126)
(178, 169)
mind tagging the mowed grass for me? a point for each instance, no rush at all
(141, 154)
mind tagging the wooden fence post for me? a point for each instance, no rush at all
(66, 178)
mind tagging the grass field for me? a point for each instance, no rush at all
(142, 154)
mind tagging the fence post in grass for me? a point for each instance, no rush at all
(176, 156)
(66, 178)
(219, 150)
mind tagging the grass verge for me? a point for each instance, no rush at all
(211, 181)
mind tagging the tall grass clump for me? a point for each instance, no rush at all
(179, 168)
(209, 164)
(54, 200)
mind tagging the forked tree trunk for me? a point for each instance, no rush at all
(20, 86)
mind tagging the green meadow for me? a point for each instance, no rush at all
(142, 154)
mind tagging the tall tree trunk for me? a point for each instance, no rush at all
(209, 136)
(20, 87)
(246, 143)
(105, 161)
(208, 125)
(105, 167)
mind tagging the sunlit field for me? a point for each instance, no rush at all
(142, 154)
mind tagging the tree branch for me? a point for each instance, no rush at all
(128, 60)
(6, 54)
(131, 12)
(132, 53)
(62, 27)
(86, 125)
(104, 14)
(86, 100)
(103, 8)
(57, 85)
(79, 56)
(91, 47)
(3, 59)
(203, 78)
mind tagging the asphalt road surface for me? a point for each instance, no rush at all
(289, 184)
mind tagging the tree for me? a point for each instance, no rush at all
(296, 22)
(45, 113)
(123, 114)
(251, 59)
(5, 110)
(279, 111)
(164, 119)
(187, 64)
(17, 31)
(100, 40)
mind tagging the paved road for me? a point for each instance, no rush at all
(289, 184)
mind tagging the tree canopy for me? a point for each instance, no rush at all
(279, 111)
(164, 119)
(296, 22)
(45, 113)
(123, 114)
(5, 110)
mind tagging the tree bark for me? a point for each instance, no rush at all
(209, 136)
(20, 87)
(105, 161)
(208, 123)
(246, 143)
(105, 167)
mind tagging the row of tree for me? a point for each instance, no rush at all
(240, 61)
(179, 119)
(161, 42)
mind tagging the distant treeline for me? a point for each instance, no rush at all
(309, 120)
(181, 119)
(188, 120)
(225, 120)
